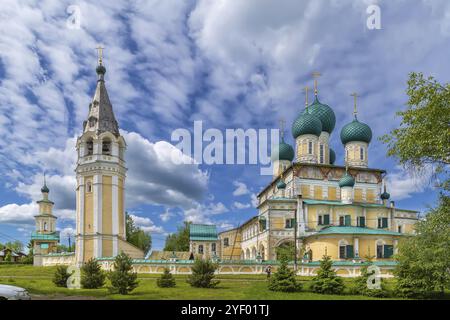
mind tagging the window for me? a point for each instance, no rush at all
(385, 251)
(289, 223)
(361, 153)
(89, 147)
(324, 220)
(310, 147)
(262, 224)
(226, 242)
(382, 223)
(399, 229)
(45, 226)
(106, 147)
(321, 159)
(213, 247)
(345, 220)
(361, 221)
(88, 186)
(200, 249)
(346, 252)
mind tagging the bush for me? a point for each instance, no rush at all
(360, 284)
(166, 280)
(284, 279)
(122, 279)
(203, 274)
(61, 276)
(326, 281)
(92, 276)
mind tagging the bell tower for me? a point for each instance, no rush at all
(101, 173)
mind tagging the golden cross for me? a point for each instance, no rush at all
(355, 96)
(100, 54)
(316, 75)
(282, 123)
(306, 97)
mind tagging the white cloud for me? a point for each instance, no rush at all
(254, 200)
(241, 189)
(166, 215)
(403, 185)
(239, 205)
(146, 224)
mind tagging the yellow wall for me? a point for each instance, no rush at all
(88, 207)
(305, 191)
(233, 250)
(358, 195)
(107, 247)
(121, 208)
(88, 249)
(370, 195)
(332, 194)
(318, 192)
(107, 205)
(277, 223)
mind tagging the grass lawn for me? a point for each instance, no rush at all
(38, 281)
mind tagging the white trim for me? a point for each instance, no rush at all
(115, 213)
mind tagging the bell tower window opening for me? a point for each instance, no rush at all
(89, 147)
(361, 153)
(88, 186)
(310, 147)
(106, 147)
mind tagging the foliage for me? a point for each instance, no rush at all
(326, 281)
(61, 276)
(424, 133)
(15, 246)
(64, 248)
(8, 257)
(178, 241)
(123, 280)
(137, 236)
(284, 279)
(92, 276)
(424, 260)
(203, 274)
(166, 280)
(285, 251)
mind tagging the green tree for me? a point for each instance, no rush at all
(15, 246)
(284, 279)
(166, 280)
(361, 283)
(8, 257)
(137, 236)
(202, 275)
(178, 241)
(286, 251)
(123, 280)
(61, 276)
(326, 281)
(424, 133)
(424, 260)
(92, 276)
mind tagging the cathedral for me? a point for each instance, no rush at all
(311, 204)
(314, 205)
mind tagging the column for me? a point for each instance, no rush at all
(98, 197)
(356, 247)
(115, 213)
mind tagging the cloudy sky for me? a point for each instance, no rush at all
(231, 64)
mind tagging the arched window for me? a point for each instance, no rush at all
(213, 247)
(321, 159)
(200, 249)
(361, 153)
(310, 147)
(106, 146)
(88, 186)
(89, 147)
(45, 226)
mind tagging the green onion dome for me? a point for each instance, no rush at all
(283, 151)
(100, 69)
(306, 123)
(324, 113)
(45, 189)
(346, 181)
(332, 156)
(356, 131)
(281, 184)
(385, 195)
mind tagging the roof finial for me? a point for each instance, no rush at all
(355, 96)
(100, 54)
(316, 75)
(306, 98)
(282, 123)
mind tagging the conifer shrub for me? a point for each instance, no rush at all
(166, 280)
(326, 281)
(92, 276)
(123, 280)
(284, 279)
(203, 274)
(362, 284)
(61, 276)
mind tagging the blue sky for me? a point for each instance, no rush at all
(231, 64)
